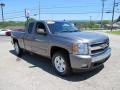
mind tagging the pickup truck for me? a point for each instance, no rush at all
(68, 48)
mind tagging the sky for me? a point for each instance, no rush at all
(58, 9)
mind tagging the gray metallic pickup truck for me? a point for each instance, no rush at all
(68, 48)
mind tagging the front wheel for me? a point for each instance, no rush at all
(61, 63)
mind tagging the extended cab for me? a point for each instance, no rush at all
(68, 48)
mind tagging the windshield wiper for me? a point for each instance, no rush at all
(64, 31)
(69, 31)
(76, 31)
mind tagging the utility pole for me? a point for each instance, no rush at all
(103, 5)
(90, 21)
(39, 9)
(113, 12)
(2, 5)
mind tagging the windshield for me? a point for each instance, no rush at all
(56, 27)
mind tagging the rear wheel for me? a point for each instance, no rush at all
(60, 61)
(18, 50)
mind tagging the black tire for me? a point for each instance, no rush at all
(18, 50)
(65, 57)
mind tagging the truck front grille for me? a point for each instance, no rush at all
(100, 47)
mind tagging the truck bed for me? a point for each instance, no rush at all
(18, 33)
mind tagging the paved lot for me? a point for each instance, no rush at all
(32, 72)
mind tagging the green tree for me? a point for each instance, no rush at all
(118, 19)
(105, 22)
(29, 20)
(11, 23)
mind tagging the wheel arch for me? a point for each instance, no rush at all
(56, 49)
(15, 40)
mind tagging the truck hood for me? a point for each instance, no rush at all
(83, 36)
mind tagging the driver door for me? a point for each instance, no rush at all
(40, 43)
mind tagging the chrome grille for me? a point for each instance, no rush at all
(100, 47)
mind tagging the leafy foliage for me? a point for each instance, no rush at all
(118, 19)
(11, 23)
(79, 23)
(15, 23)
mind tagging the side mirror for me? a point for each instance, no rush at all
(41, 31)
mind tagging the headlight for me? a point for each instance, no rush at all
(80, 48)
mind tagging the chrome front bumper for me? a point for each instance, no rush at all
(101, 56)
(88, 61)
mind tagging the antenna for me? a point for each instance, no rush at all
(39, 9)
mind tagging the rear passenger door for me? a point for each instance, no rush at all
(29, 36)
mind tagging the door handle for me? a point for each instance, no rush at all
(38, 40)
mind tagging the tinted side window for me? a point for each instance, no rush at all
(40, 27)
(30, 28)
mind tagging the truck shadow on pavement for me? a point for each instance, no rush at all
(46, 65)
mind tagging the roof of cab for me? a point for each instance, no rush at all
(49, 21)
